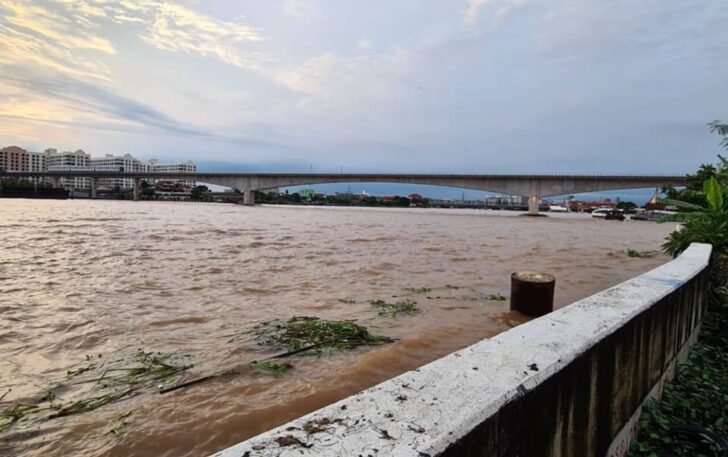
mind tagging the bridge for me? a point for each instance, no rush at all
(532, 186)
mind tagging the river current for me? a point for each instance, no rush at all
(88, 280)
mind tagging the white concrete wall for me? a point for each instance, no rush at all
(425, 412)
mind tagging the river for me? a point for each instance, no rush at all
(84, 281)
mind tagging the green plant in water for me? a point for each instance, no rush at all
(271, 367)
(118, 429)
(394, 309)
(115, 382)
(418, 290)
(497, 297)
(640, 254)
(14, 414)
(312, 335)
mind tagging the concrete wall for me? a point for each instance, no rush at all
(566, 384)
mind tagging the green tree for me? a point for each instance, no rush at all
(199, 192)
(627, 205)
(702, 223)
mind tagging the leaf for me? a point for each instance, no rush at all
(714, 194)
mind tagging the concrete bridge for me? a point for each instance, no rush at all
(532, 186)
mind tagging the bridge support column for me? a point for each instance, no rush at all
(137, 185)
(533, 205)
(249, 197)
(94, 185)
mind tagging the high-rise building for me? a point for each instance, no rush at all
(179, 167)
(69, 161)
(14, 158)
(110, 162)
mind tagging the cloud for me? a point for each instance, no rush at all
(500, 9)
(95, 103)
(330, 81)
(301, 9)
(179, 29)
(63, 31)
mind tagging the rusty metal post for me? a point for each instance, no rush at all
(532, 293)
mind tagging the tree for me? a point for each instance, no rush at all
(198, 192)
(702, 224)
(693, 190)
(628, 206)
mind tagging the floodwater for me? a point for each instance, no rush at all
(100, 279)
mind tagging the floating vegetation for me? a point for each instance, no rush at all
(640, 254)
(105, 383)
(497, 297)
(312, 335)
(16, 413)
(420, 290)
(122, 422)
(393, 309)
(347, 301)
(271, 367)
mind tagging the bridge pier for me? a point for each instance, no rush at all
(249, 197)
(533, 205)
(137, 186)
(94, 185)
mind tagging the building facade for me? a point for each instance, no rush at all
(13, 158)
(69, 161)
(110, 162)
(154, 166)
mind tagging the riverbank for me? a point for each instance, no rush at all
(695, 404)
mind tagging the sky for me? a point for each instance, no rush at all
(529, 86)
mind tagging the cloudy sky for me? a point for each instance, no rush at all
(461, 85)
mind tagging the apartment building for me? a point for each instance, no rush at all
(110, 162)
(69, 161)
(13, 158)
(179, 167)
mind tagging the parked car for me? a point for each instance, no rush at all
(614, 215)
(601, 212)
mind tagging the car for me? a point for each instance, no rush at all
(614, 215)
(601, 212)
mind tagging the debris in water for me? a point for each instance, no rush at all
(497, 297)
(106, 383)
(271, 367)
(640, 254)
(393, 309)
(419, 290)
(312, 335)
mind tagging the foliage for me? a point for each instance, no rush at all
(698, 396)
(394, 309)
(312, 335)
(703, 224)
(199, 192)
(627, 205)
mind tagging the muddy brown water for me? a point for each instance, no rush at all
(102, 278)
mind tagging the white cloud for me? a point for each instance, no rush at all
(500, 9)
(364, 44)
(301, 9)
